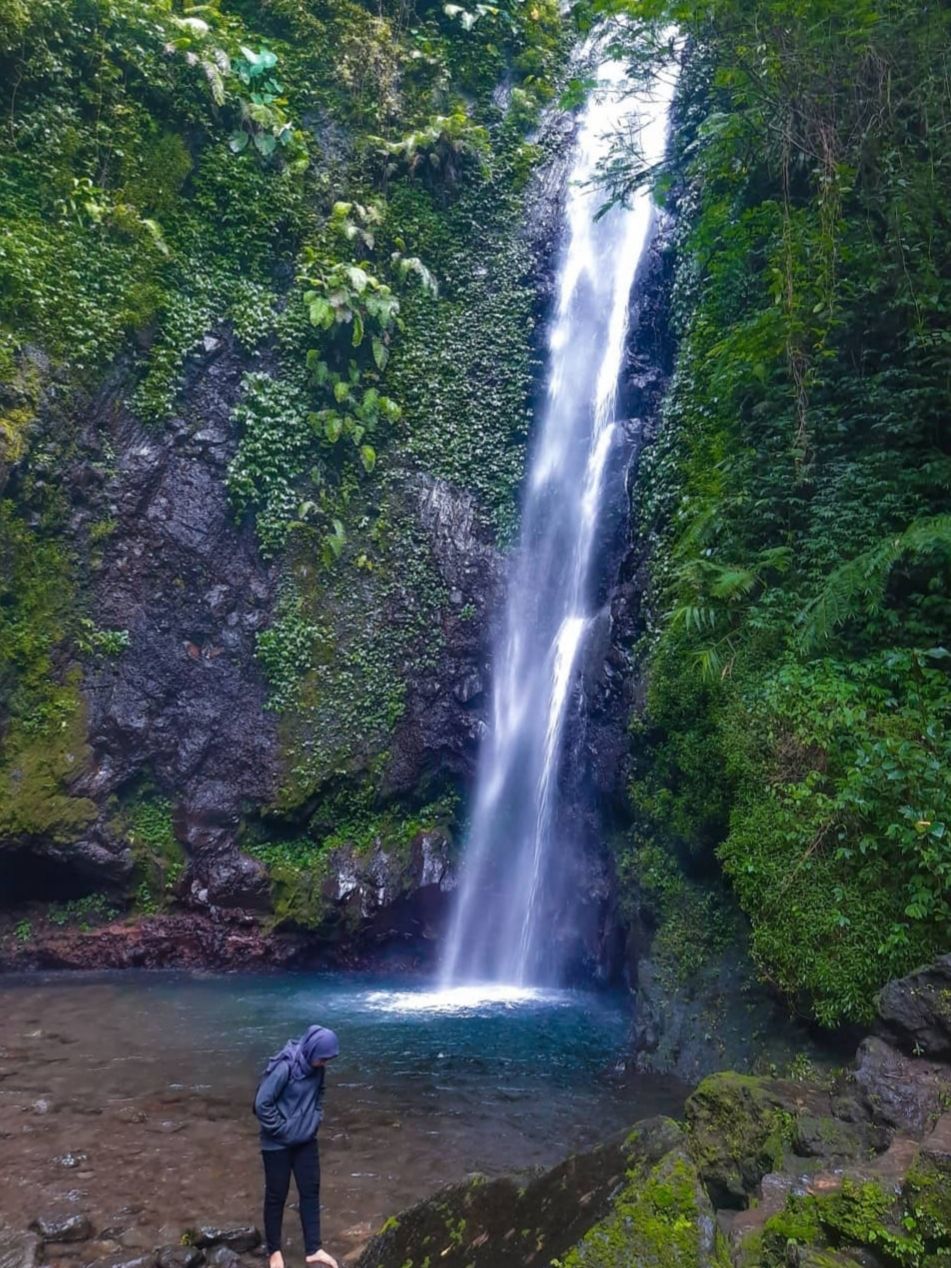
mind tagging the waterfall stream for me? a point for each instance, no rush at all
(514, 869)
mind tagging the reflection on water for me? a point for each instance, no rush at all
(151, 1076)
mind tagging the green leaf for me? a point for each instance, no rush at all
(238, 141)
(368, 457)
(380, 353)
(357, 330)
(321, 313)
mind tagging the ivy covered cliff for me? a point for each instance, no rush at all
(266, 360)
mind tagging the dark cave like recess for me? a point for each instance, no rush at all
(27, 877)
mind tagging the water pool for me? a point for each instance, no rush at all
(151, 1075)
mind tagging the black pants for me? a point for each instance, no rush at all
(278, 1165)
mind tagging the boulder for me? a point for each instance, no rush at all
(903, 1092)
(126, 1259)
(63, 1226)
(223, 1257)
(823, 1136)
(743, 1127)
(502, 1223)
(237, 1237)
(180, 1257)
(661, 1218)
(915, 1011)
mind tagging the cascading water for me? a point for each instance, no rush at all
(514, 857)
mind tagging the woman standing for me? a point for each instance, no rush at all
(287, 1104)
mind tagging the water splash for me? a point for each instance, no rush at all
(515, 860)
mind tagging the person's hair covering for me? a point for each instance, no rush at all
(316, 1044)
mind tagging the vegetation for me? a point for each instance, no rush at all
(797, 728)
(170, 172)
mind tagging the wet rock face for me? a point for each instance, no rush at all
(444, 719)
(904, 1092)
(915, 1011)
(188, 940)
(185, 701)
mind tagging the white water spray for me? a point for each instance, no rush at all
(514, 859)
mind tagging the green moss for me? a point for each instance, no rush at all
(145, 820)
(694, 921)
(38, 768)
(903, 1230)
(654, 1222)
(44, 748)
(299, 867)
(344, 679)
(740, 1129)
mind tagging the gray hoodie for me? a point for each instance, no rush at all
(289, 1109)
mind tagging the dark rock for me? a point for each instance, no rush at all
(180, 1257)
(902, 1092)
(63, 1226)
(384, 894)
(71, 1160)
(18, 1249)
(180, 566)
(223, 1257)
(443, 720)
(828, 1137)
(722, 1017)
(936, 1147)
(185, 940)
(742, 1128)
(236, 1237)
(915, 1011)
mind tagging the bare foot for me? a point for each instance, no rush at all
(276, 1260)
(321, 1257)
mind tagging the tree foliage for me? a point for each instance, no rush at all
(798, 498)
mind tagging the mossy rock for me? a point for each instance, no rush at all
(35, 802)
(822, 1136)
(503, 1223)
(742, 1127)
(661, 1219)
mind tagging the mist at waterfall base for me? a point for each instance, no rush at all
(520, 862)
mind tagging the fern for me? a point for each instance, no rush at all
(861, 583)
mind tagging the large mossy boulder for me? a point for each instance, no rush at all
(662, 1218)
(742, 1127)
(632, 1198)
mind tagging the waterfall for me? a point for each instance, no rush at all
(515, 858)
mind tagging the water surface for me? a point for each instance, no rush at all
(152, 1074)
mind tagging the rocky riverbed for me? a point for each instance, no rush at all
(125, 1118)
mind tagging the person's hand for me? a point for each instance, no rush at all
(321, 1257)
